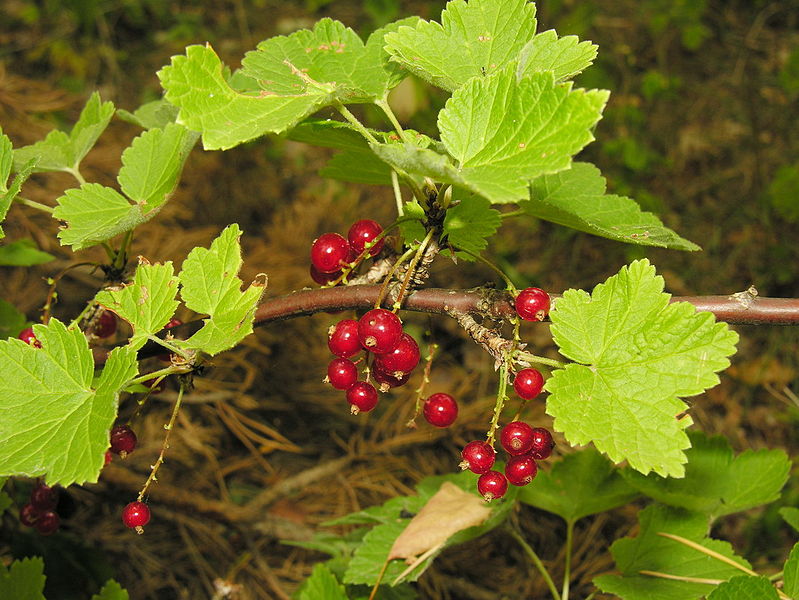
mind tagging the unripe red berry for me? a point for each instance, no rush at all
(528, 383)
(516, 438)
(492, 485)
(440, 410)
(362, 396)
(136, 515)
(362, 232)
(478, 457)
(532, 304)
(379, 330)
(521, 470)
(329, 251)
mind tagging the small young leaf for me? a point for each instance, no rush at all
(649, 551)
(413, 230)
(474, 39)
(23, 253)
(211, 286)
(152, 115)
(576, 198)
(635, 356)
(565, 57)
(469, 224)
(12, 321)
(111, 591)
(790, 573)
(60, 151)
(52, 421)
(196, 85)
(580, 484)
(715, 483)
(745, 587)
(24, 580)
(322, 584)
(147, 303)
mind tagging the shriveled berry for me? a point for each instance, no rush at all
(136, 515)
(379, 330)
(532, 304)
(362, 396)
(528, 383)
(388, 380)
(440, 410)
(323, 278)
(27, 336)
(402, 359)
(48, 523)
(44, 498)
(29, 514)
(516, 438)
(105, 325)
(365, 231)
(342, 373)
(542, 445)
(492, 485)
(329, 251)
(478, 457)
(123, 440)
(342, 338)
(521, 470)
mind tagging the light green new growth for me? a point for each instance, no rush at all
(565, 57)
(636, 356)
(468, 225)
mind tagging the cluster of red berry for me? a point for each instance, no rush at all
(330, 252)
(123, 441)
(40, 511)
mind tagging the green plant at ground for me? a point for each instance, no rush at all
(630, 354)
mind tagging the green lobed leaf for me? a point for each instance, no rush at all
(147, 303)
(790, 573)
(636, 355)
(196, 85)
(322, 584)
(24, 580)
(649, 551)
(790, 515)
(468, 225)
(413, 230)
(715, 482)
(745, 587)
(580, 484)
(151, 115)
(210, 285)
(8, 193)
(474, 39)
(23, 253)
(12, 321)
(565, 57)
(60, 151)
(6, 161)
(53, 421)
(576, 198)
(111, 591)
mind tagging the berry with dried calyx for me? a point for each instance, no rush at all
(123, 440)
(136, 515)
(379, 330)
(532, 304)
(329, 252)
(521, 470)
(48, 522)
(173, 322)
(528, 383)
(542, 445)
(492, 485)
(402, 359)
(105, 325)
(363, 232)
(29, 514)
(362, 397)
(342, 338)
(342, 373)
(440, 410)
(478, 457)
(44, 498)
(516, 438)
(27, 336)
(388, 380)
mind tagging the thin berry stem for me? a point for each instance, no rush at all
(534, 358)
(387, 280)
(386, 108)
(411, 268)
(502, 396)
(397, 193)
(425, 380)
(567, 561)
(75, 172)
(34, 204)
(160, 460)
(536, 561)
(352, 119)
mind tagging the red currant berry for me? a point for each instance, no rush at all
(362, 396)
(532, 304)
(44, 498)
(516, 438)
(379, 331)
(108, 457)
(173, 322)
(492, 485)
(528, 383)
(521, 470)
(323, 278)
(123, 440)
(27, 336)
(136, 515)
(542, 445)
(363, 232)
(329, 251)
(388, 380)
(48, 523)
(342, 373)
(342, 338)
(28, 515)
(105, 325)
(478, 457)
(402, 359)
(440, 410)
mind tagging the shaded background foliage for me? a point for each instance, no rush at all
(700, 128)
